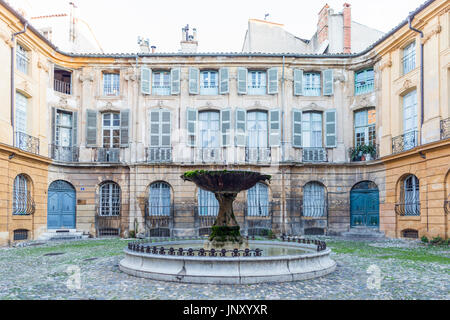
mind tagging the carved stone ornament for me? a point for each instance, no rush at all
(407, 84)
(436, 30)
(386, 64)
(88, 76)
(43, 65)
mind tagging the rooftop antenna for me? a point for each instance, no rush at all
(266, 15)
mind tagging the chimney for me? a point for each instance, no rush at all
(322, 25)
(144, 45)
(189, 43)
(153, 49)
(347, 15)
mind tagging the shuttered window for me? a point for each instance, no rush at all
(146, 75)
(275, 128)
(21, 112)
(207, 203)
(241, 127)
(225, 116)
(242, 78)
(191, 119)
(160, 128)
(298, 82)
(161, 83)
(257, 83)
(328, 82)
(124, 128)
(224, 81)
(91, 128)
(175, 75)
(159, 199)
(330, 129)
(258, 201)
(297, 128)
(272, 84)
(194, 74)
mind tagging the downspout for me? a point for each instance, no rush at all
(13, 89)
(282, 140)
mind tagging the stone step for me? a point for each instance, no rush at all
(62, 236)
(364, 233)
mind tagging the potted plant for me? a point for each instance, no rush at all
(369, 152)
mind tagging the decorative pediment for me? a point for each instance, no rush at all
(313, 107)
(62, 102)
(109, 107)
(407, 84)
(86, 76)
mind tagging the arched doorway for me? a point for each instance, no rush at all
(365, 205)
(61, 206)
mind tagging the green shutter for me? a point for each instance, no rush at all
(330, 128)
(274, 128)
(225, 116)
(242, 74)
(146, 75)
(191, 117)
(75, 129)
(194, 76)
(224, 86)
(175, 84)
(298, 82)
(165, 128)
(91, 128)
(241, 127)
(297, 128)
(328, 81)
(155, 132)
(272, 81)
(125, 128)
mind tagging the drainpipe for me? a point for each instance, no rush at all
(410, 19)
(282, 141)
(13, 89)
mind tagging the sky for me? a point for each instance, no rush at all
(221, 25)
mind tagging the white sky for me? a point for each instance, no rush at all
(221, 25)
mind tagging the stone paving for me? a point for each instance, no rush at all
(388, 269)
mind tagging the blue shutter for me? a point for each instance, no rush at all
(297, 128)
(328, 82)
(146, 75)
(225, 117)
(298, 82)
(272, 81)
(175, 84)
(330, 128)
(242, 74)
(191, 119)
(241, 127)
(224, 85)
(194, 76)
(275, 128)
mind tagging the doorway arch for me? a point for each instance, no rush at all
(61, 206)
(365, 205)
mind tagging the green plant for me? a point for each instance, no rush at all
(424, 239)
(132, 234)
(437, 240)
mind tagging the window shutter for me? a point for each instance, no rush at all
(224, 86)
(146, 75)
(298, 82)
(75, 129)
(91, 129)
(125, 128)
(330, 128)
(225, 116)
(297, 128)
(155, 128)
(272, 81)
(175, 85)
(241, 127)
(53, 126)
(242, 80)
(165, 128)
(192, 116)
(328, 80)
(274, 132)
(194, 75)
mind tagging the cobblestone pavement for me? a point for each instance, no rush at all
(408, 270)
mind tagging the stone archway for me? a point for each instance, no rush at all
(365, 205)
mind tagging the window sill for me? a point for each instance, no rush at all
(313, 218)
(21, 217)
(409, 218)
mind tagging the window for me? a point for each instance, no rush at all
(409, 58)
(21, 112)
(257, 83)
(314, 200)
(365, 127)
(258, 200)
(111, 130)
(209, 129)
(159, 199)
(22, 59)
(209, 84)
(257, 124)
(21, 196)
(311, 84)
(62, 81)
(63, 129)
(111, 84)
(161, 83)
(364, 81)
(312, 130)
(160, 128)
(109, 199)
(410, 120)
(207, 203)
(411, 196)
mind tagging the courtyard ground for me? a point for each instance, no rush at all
(388, 269)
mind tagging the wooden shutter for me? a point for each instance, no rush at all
(53, 126)
(75, 129)
(225, 116)
(328, 81)
(297, 128)
(146, 75)
(125, 128)
(165, 128)
(194, 76)
(274, 128)
(91, 128)
(155, 131)
(224, 86)
(175, 84)
(298, 82)
(241, 127)
(242, 75)
(272, 81)
(330, 128)
(191, 117)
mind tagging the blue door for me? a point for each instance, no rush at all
(365, 205)
(61, 206)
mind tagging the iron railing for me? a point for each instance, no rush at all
(159, 155)
(111, 155)
(445, 129)
(27, 143)
(405, 142)
(107, 226)
(258, 220)
(23, 204)
(20, 235)
(65, 154)
(410, 209)
(158, 220)
(258, 155)
(356, 155)
(61, 86)
(315, 155)
(205, 217)
(363, 87)
(208, 155)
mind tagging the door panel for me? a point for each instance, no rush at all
(61, 207)
(365, 208)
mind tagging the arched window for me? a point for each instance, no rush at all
(314, 200)
(110, 199)
(411, 196)
(258, 201)
(22, 202)
(207, 203)
(159, 199)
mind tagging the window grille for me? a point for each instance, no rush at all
(23, 203)
(20, 234)
(159, 199)
(409, 204)
(110, 199)
(314, 200)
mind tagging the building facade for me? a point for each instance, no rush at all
(116, 132)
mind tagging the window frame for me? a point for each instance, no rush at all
(369, 129)
(315, 88)
(158, 199)
(255, 207)
(22, 55)
(260, 85)
(211, 204)
(361, 86)
(113, 203)
(111, 128)
(112, 84)
(310, 131)
(211, 89)
(161, 89)
(409, 55)
(21, 190)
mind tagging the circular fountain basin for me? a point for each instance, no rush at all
(280, 262)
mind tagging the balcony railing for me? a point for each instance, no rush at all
(315, 155)
(63, 87)
(107, 226)
(258, 220)
(65, 154)
(27, 143)
(363, 87)
(258, 155)
(405, 142)
(364, 153)
(445, 129)
(23, 204)
(161, 90)
(408, 209)
(205, 217)
(159, 155)
(208, 155)
(111, 155)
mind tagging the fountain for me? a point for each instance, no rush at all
(227, 257)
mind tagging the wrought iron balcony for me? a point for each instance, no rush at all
(364, 153)
(258, 155)
(208, 155)
(405, 142)
(159, 155)
(23, 204)
(111, 155)
(63, 87)
(27, 143)
(65, 154)
(408, 209)
(315, 155)
(445, 129)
